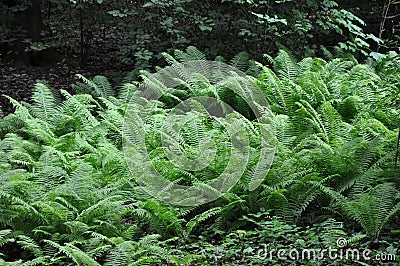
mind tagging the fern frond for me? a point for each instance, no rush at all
(195, 221)
(191, 54)
(29, 244)
(285, 66)
(240, 61)
(104, 86)
(374, 209)
(74, 253)
(44, 106)
(126, 92)
(99, 86)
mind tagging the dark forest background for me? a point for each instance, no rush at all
(128, 35)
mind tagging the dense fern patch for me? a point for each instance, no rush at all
(67, 196)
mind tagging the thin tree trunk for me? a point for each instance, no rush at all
(385, 12)
(397, 149)
(82, 55)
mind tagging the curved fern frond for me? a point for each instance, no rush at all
(44, 106)
(285, 66)
(99, 86)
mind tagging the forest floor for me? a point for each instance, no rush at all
(18, 83)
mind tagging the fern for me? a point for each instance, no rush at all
(77, 255)
(285, 66)
(195, 221)
(99, 86)
(191, 54)
(44, 106)
(374, 209)
(240, 61)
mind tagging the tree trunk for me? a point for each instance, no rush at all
(31, 24)
(396, 157)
